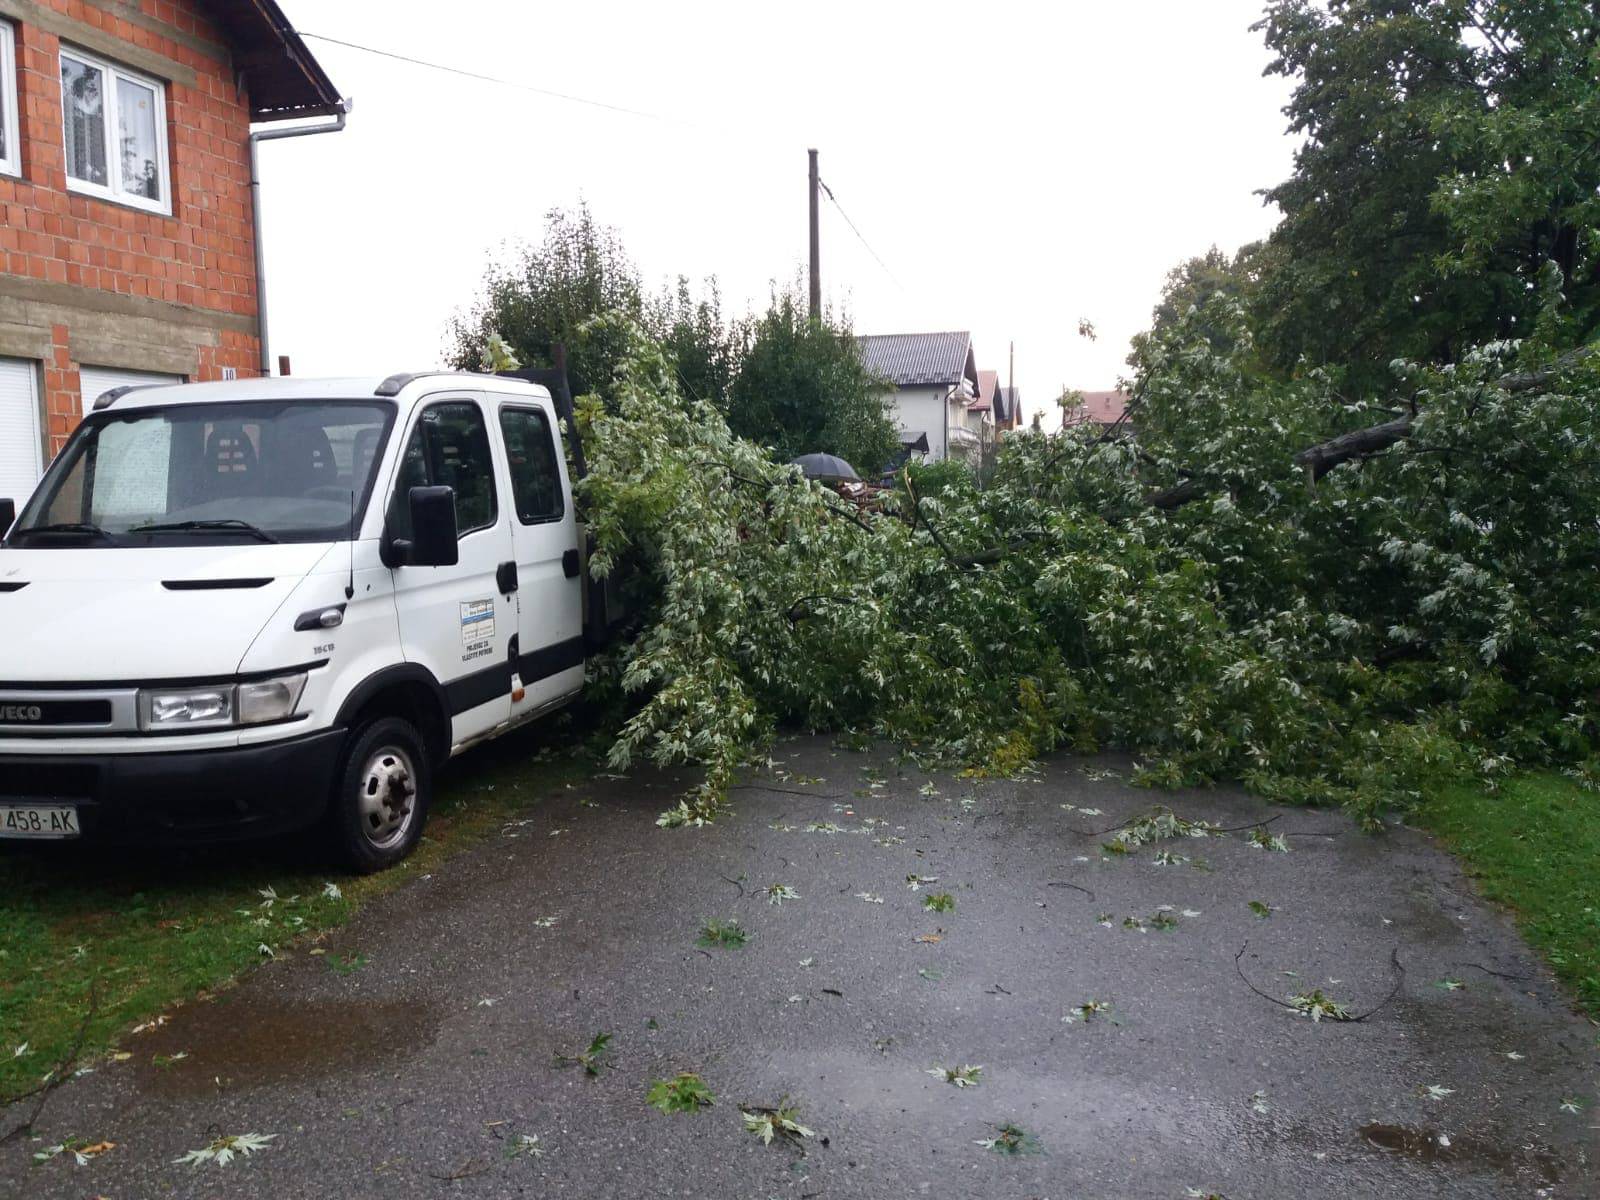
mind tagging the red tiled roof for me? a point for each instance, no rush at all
(1099, 408)
(988, 382)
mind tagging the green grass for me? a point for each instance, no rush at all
(141, 931)
(1535, 846)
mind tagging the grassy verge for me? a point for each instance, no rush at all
(141, 931)
(1535, 846)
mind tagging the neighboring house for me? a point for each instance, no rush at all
(128, 237)
(1007, 408)
(1102, 409)
(935, 378)
(980, 413)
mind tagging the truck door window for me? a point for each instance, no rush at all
(448, 448)
(535, 478)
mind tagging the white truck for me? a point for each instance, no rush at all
(240, 609)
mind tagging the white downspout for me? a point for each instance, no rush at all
(272, 135)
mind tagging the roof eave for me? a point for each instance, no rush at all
(264, 39)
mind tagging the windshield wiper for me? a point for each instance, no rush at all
(219, 525)
(67, 527)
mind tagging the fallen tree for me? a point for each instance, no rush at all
(1428, 615)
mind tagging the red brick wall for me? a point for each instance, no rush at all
(202, 256)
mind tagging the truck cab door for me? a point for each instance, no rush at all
(544, 532)
(456, 620)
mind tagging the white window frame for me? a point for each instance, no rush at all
(113, 190)
(10, 101)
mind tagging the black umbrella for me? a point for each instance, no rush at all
(826, 467)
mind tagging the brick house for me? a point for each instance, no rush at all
(128, 233)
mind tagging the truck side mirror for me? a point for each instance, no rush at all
(8, 516)
(433, 540)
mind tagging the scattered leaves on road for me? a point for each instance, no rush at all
(1317, 1006)
(777, 893)
(940, 902)
(222, 1150)
(1260, 839)
(524, 1145)
(728, 935)
(686, 1092)
(1088, 1011)
(782, 1122)
(590, 1059)
(1010, 1139)
(964, 1076)
(81, 1150)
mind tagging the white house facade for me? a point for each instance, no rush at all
(933, 379)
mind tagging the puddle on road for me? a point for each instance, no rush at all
(248, 1045)
(1430, 1145)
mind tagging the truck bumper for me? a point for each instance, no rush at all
(186, 797)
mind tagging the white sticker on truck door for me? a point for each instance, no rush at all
(477, 628)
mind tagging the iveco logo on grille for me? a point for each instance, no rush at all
(21, 712)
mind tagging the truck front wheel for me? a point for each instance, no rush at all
(382, 795)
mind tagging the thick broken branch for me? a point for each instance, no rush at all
(1361, 443)
(1176, 496)
(1530, 381)
(1358, 443)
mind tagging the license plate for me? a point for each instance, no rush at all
(39, 821)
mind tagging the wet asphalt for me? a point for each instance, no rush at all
(418, 1074)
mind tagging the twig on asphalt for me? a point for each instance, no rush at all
(735, 883)
(1209, 830)
(61, 1073)
(1394, 961)
(1073, 886)
(1399, 979)
(1496, 974)
(1253, 987)
(465, 1171)
(772, 787)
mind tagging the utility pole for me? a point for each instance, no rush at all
(816, 244)
(1012, 415)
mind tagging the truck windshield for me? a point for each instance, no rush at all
(278, 471)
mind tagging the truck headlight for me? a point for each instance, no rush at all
(219, 707)
(270, 699)
(186, 708)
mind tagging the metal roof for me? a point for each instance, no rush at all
(1007, 403)
(920, 359)
(283, 78)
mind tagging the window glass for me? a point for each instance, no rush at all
(448, 448)
(136, 122)
(114, 129)
(535, 478)
(83, 97)
(8, 100)
(293, 470)
(131, 463)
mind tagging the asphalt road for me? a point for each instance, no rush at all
(417, 1074)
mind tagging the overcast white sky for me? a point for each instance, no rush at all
(1017, 166)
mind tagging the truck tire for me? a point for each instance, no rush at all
(381, 798)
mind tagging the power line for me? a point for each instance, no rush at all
(510, 83)
(570, 98)
(835, 202)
